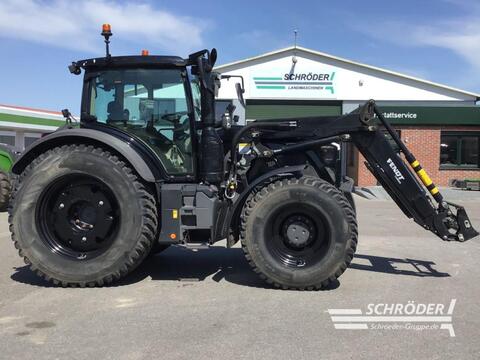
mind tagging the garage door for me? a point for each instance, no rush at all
(271, 109)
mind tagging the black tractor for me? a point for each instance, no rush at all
(149, 166)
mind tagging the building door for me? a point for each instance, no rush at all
(280, 109)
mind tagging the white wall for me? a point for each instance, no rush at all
(350, 82)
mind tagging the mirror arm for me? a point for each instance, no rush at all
(235, 76)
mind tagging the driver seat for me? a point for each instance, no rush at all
(115, 112)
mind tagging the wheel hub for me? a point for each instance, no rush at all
(298, 237)
(78, 216)
(297, 234)
(299, 231)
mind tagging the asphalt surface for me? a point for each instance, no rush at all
(209, 304)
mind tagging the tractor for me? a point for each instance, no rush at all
(8, 154)
(149, 165)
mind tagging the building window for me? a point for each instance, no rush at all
(7, 137)
(30, 138)
(459, 150)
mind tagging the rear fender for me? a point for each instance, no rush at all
(134, 152)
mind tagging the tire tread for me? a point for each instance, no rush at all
(323, 186)
(144, 242)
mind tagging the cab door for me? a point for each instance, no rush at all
(152, 105)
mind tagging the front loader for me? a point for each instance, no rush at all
(149, 166)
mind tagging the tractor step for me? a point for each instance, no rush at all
(196, 246)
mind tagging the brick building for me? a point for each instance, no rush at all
(440, 124)
(447, 145)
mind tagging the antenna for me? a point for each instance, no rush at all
(294, 57)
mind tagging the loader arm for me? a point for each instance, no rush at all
(407, 184)
(447, 220)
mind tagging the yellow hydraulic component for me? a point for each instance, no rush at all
(426, 180)
(424, 177)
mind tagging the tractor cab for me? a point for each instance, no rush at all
(151, 98)
(158, 101)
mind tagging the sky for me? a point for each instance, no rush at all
(437, 40)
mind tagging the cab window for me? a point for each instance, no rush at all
(151, 104)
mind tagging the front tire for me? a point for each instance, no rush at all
(81, 217)
(299, 233)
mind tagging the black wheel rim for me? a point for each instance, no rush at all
(78, 216)
(297, 235)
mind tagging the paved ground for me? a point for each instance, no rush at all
(450, 194)
(209, 305)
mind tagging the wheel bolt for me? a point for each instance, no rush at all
(100, 203)
(84, 239)
(300, 262)
(61, 206)
(77, 221)
(90, 226)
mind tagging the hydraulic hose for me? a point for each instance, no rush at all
(259, 125)
(231, 185)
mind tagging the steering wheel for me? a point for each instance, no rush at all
(173, 117)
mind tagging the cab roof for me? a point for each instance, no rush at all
(131, 61)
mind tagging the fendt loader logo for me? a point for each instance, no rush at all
(398, 175)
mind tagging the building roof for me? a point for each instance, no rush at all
(29, 118)
(29, 109)
(343, 60)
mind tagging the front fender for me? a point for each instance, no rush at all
(141, 162)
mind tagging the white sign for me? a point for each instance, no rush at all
(319, 83)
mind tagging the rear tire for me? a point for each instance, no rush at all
(299, 233)
(81, 217)
(5, 190)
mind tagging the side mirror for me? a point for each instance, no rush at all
(212, 58)
(239, 88)
(240, 92)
